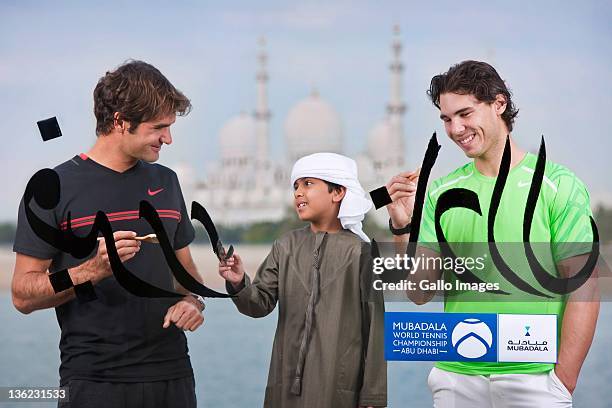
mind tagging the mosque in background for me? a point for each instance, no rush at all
(247, 185)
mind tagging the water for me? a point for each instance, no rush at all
(230, 355)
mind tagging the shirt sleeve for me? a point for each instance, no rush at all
(570, 218)
(26, 241)
(258, 299)
(185, 232)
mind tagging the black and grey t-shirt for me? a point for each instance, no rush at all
(118, 337)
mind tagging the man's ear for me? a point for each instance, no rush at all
(500, 104)
(119, 124)
(338, 195)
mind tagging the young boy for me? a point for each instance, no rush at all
(328, 348)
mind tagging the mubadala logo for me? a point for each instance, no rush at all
(472, 338)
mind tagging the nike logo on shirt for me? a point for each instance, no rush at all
(524, 183)
(152, 193)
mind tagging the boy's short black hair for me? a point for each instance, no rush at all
(333, 186)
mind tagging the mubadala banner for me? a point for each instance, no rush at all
(414, 336)
(527, 338)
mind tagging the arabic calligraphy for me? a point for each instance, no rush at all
(44, 188)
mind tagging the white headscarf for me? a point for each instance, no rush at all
(341, 170)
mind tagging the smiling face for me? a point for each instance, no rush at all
(314, 202)
(147, 140)
(476, 127)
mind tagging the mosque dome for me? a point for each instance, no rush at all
(237, 138)
(313, 125)
(186, 175)
(380, 140)
(365, 169)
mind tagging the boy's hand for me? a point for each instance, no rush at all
(402, 189)
(232, 270)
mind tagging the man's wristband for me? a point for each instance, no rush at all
(200, 300)
(60, 281)
(399, 231)
(85, 292)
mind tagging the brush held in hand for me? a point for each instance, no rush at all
(151, 238)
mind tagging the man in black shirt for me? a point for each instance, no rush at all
(118, 350)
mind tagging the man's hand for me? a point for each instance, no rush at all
(402, 190)
(186, 314)
(232, 270)
(98, 267)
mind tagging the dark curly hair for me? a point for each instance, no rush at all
(474, 78)
(139, 93)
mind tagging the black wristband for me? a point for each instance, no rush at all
(399, 231)
(85, 292)
(60, 281)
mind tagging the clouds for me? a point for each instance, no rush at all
(300, 16)
(556, 57)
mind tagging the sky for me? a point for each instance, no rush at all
(555, 56)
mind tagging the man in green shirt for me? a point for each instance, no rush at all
(478, 114)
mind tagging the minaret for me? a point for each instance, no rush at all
(396, 106)
(262, 113)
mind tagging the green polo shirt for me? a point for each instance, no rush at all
(560, 222)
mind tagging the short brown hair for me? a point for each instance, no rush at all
(139, 92)
(474, 78)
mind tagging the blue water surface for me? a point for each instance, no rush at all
(230, 354)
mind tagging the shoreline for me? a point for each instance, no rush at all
(252, 255)
(203, 256)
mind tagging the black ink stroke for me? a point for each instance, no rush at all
(183, 277)
(556, 285)
(500, 264)
(458, 198)
(199, 213)
(44, 187)
(464, 198)
(431, 154)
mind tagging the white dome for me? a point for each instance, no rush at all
(313, 125)
(365, 169)
(237, 138)
(186, 175)
(380, 141)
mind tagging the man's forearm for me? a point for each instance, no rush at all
(577, 333)
(33, 291)
(401, 242)
(417, 296)
(579, 321)
(190, 266)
